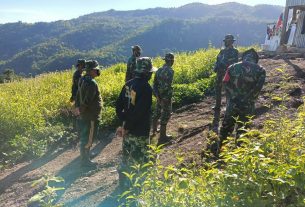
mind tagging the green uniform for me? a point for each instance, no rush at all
(131, 66)
(164, 91)
(225, 58)
(243, 81)
(90, 104)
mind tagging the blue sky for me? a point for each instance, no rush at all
(52, 10)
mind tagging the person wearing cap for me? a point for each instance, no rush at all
(225, 58)
(132, 61)
(243, 82)
(163, 91)
(133, 108)
(76, 76)
(89, 105)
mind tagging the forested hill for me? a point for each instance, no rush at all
(107, 36)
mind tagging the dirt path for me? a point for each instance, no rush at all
(188, 124)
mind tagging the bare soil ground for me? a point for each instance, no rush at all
(189, 125)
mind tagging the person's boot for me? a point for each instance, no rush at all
(164, 138)
(85, 160)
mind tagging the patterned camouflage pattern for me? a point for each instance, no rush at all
(163, 82)
(144, 65)
(250, 56)
(163, 110)
(225, 58)
(243, 82)
(131, 66)
(135, 151)
(91, 65)
(163, 91)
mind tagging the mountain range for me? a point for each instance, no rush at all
(107, 36)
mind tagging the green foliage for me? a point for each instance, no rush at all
(47, 196)
(36, 112)
(267, 170)
(107, 36)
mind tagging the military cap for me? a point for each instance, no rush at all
(169, 56)
(144, 65)
(92, 65)
(81, 61)
(136, 47)
(251, 53)
(229, 37)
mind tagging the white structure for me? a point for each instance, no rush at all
(293, 33)
(290, 28)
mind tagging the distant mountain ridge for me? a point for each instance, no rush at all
(107, 36)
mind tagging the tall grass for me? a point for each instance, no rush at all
(35, 112)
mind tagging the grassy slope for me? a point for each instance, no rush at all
(36, 112)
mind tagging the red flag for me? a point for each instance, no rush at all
(226, 77)
(279, 22)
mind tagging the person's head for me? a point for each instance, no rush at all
(136, 50)
(144, 68)
(250, 56)
(169, 59)
(92, 68)
(229, 40)
(80, 64)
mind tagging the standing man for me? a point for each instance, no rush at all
(163, 91)
(133, 108)
(89, 105)
(76, 76)
(132, 61)
(243, 82)
(225, 58)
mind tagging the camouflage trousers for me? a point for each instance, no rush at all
(163, 111)
(135, 151)
(88, 132)
(218, 89)
(235, 113)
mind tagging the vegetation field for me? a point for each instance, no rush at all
(36, 112)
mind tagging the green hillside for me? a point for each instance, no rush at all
(107, 36)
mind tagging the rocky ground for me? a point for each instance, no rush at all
(189, 125)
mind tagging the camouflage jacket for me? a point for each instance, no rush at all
(163, 82)
(225, 58)
(131, 66)
(88, 99)
(243, 81)
(76, 76)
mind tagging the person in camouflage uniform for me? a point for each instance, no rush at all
(89, 105)
(132, 61)
(163, 91)
(133, 108)
(225, 58)
(76, 76)
(243, 82)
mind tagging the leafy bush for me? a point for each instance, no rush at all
(267, 170)
(34, 110)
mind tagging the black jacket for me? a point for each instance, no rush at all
(134, 106)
